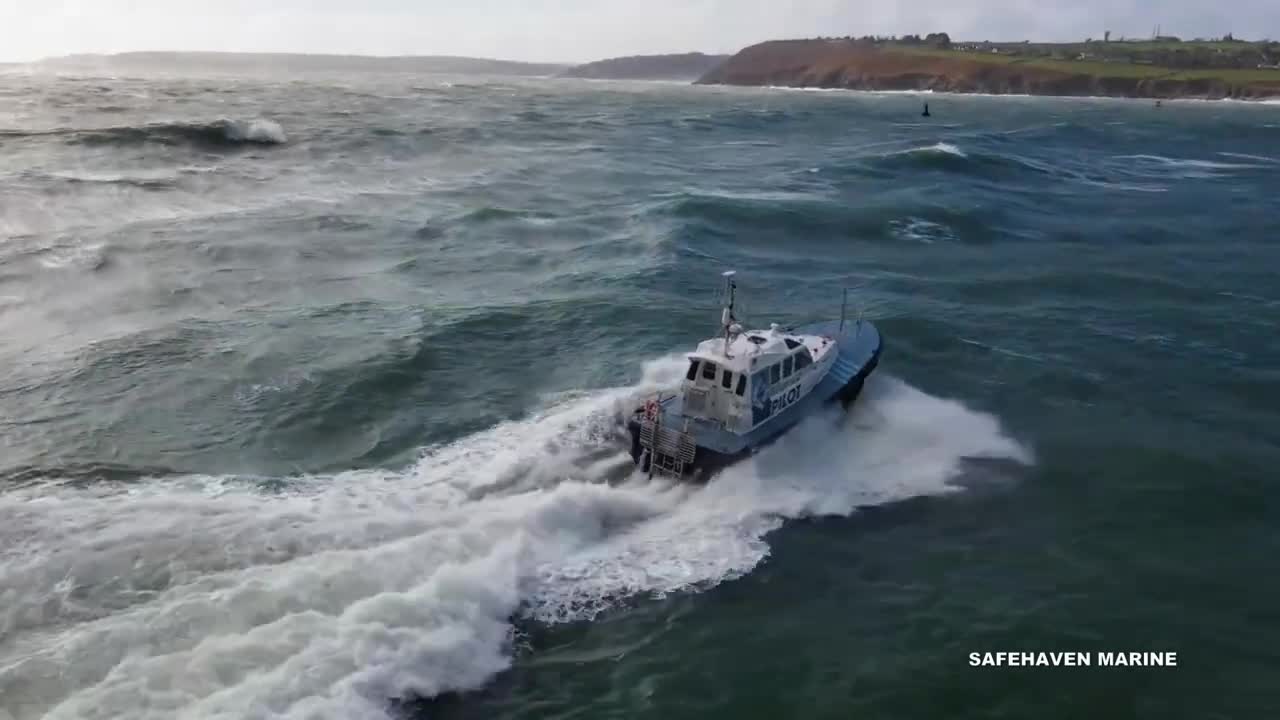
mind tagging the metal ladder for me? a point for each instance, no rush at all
(670, 450)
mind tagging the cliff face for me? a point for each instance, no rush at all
(688, 66)
(841, 64)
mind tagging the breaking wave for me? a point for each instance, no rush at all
(212, 597)
(941, 149)
(942, 156)
(939, 156)
(219, 133)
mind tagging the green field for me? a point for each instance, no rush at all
(1100, 68)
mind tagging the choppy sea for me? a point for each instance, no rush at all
(310, 391)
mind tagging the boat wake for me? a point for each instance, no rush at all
(330, 596)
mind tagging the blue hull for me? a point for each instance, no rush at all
(859, 354)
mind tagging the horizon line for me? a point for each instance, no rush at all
(570, 63)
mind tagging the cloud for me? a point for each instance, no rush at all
(572, 30)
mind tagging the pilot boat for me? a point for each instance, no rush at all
(745, 388)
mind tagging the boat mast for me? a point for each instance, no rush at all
(726, 315)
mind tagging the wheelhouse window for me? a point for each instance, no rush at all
(775, 374)
(693, 370)
(791, 344)
(759, 380)
(726, 380)
(803, 359)
(786, 367)
(742, 386)
(708, 371)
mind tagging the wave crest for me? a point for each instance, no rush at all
(221, 133)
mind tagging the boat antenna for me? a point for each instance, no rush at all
(726, 315)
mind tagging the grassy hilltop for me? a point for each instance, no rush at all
(1162, 68)
(685, 66)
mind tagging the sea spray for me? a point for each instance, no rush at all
(263, 132)
(342, 594)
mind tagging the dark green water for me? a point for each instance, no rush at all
(318, 417)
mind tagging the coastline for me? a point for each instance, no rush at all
(851, 65)
(1264, 101)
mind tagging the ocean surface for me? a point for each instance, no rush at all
(310, 391)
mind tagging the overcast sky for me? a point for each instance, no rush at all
(576, 30)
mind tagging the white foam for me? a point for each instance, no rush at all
(921, 230)
(104, 205)
(939, 148)
(259, 131)
(139, 176)
(789, 88)
(1248, 156)
(73, 254)
(948, 148)
(855, 91)
(204, 598)
(1189, 162)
